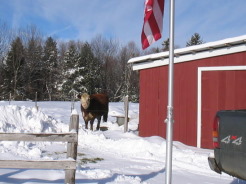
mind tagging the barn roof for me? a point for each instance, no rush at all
(211, 49)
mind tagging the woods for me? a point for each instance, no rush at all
(56, 70)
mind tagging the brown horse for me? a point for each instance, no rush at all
(94, 107)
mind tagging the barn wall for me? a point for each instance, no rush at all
(152, 92)
(153, 97)
(225, 90)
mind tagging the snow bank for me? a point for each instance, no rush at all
(126, 157)
(23, 119)
(130, 145)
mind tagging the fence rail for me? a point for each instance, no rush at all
(38, 164)
(51, 137)
(69, 165)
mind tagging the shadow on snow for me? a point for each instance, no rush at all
(6, 178)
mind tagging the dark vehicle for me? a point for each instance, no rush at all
(229, 139)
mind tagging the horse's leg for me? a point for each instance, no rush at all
(91, 122)
(98, 122)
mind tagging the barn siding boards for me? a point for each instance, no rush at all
(162, 106)
(149, 102)
(185, 101)
(210, 91)
(196, 98)
(224, 91)
(241, 84)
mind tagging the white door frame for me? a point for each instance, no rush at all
(199, 94)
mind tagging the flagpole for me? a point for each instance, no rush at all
(169, 120)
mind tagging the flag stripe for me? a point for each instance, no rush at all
(148, 33)
(154, 26)
(153, 22)
(158, 13)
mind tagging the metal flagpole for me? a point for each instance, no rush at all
(169, 120)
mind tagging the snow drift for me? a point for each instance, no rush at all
(103, 156)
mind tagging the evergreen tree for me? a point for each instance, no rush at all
(165, 45)
(50, 68)
(194, 40)
(89, 68)
(70, 70)
(33, 73)
(13, 71)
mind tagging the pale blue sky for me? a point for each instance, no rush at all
(123, 19)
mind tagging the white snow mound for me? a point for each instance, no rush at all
(16, 119)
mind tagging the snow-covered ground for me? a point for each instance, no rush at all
(109, 156)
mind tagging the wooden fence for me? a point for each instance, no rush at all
(69, 165)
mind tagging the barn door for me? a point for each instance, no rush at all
(221, 90)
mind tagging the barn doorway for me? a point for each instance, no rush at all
(221, 88)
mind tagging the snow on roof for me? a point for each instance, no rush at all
(211, 49)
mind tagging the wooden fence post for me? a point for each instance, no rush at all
(72, 101)
(36, 100)
(126, 107)
(10, 98)
(72, 149)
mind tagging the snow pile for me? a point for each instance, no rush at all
(23, 119)
(128, 180)
(96, 173)
(131, 145)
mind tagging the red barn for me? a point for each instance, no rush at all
(207, 78)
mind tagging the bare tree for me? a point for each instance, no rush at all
(5, 39)
(130, 78)
(106, 51)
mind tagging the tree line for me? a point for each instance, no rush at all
(33, 66)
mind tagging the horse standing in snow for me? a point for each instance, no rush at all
(94, 107)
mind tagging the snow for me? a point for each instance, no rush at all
(106, 156)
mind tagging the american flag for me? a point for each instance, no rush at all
(153, 21)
